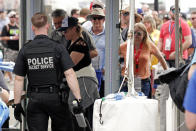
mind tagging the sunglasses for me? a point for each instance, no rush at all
(97, 6)
(137, 33)
(193, 18)
(173, 10)
(13, 17)
(97, 18)
(126, 14)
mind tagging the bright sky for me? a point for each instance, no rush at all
(184, 4)
(70, 4)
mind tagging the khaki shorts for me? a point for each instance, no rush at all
(10, 55)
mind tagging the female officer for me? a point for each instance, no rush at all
(79, 52)
(143, 48)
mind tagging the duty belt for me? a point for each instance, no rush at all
(49, 89)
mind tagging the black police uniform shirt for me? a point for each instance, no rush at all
(80, 46)
(11, 31)
(23, 66)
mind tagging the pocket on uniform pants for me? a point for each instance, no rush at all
(33, 105)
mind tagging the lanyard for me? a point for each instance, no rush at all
(137, 55)
(171, 30)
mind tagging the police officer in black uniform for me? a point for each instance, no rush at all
(44, 62)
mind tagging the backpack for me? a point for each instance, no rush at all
(178, 82)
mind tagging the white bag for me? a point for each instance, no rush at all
(170, 115)
(129, 114)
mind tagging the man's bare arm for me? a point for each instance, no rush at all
(9, 37)
(18, 88)
(187, 42)
(185, 46)
(73, 82)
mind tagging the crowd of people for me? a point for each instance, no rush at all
(69, 63)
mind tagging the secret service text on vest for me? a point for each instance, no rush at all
(40, 63)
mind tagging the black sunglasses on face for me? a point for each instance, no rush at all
(137, 33)
(97, 18)
(173, 10)
(13, 17)
(97, 6)
(193, 18)
(126, 14)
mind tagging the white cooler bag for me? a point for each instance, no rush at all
(170, 114)
(134, 113)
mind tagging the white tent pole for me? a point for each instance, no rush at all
(130, 43)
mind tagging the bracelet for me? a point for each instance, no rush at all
(11, 37)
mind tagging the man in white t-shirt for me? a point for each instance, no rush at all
(96, 4)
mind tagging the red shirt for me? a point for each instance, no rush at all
(169, 28)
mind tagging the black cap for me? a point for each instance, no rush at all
(68, 22)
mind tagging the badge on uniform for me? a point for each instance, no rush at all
(168, 44)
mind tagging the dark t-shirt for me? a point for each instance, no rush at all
(62, 57)
(11, 31)
(81, 47)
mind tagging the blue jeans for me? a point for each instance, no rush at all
(124, 86)
(146, 87)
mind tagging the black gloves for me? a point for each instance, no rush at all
(77, 107)
(17, 111)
